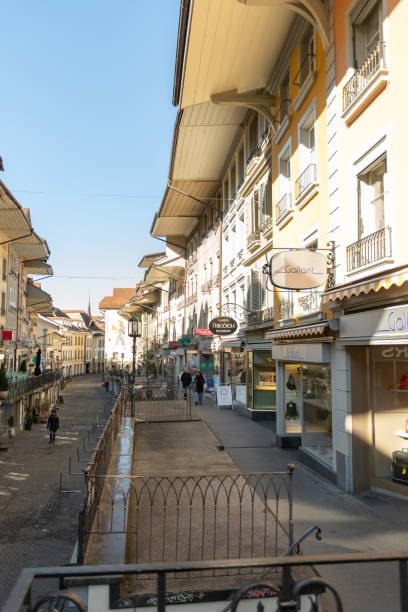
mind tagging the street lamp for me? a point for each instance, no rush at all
(134, 331)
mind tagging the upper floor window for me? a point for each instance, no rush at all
(241, 167)
(371, 216)
(253, 138)
(307, 55)
(226, 194)
(284, 97)
(4, 268)
(233, 182)
(255, 211)
(366, 31)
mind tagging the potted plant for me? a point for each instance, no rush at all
(28, 421)
(3, 381)
(37, 411)
(10, 423)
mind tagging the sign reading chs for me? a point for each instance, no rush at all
(223, 326)
(298, 269)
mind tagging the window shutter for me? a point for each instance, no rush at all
(255, 290)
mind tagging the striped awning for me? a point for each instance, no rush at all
(303, 331)
(363, 287)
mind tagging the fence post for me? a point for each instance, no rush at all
(287, 580)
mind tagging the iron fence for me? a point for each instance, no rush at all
(193, 518)
(369, 249)
(98, 465)
(363, 75)
(161, 400)
(23, 385)
(21, 597)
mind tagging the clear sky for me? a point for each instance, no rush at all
(86, 126)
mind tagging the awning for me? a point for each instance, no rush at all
(150, 258)
(13, 221)
(31, 247)
(303, 331)
(363, 287)
(38, 300)
(130, 309)
(38, 267)
(148, 297)
(161, 273)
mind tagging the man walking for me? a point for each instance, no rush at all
(53, 425)
(185, 379)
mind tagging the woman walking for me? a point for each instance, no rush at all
(53, 425)
(199, 382)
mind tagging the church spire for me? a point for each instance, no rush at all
(89, 308)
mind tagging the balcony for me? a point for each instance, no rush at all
(306, 185)
(254, 240)
(206, 287)
(364, 76)
(284, 210)
(369, 250)
(257, 317)
(267, 227)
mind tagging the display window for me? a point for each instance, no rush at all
(308, 409)
(261, 380)
(389, 380)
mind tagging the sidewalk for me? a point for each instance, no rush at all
(349, 524)
(38, 525)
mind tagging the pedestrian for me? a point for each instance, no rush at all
(53, 425)
(185, 379)
(106, 385)
(199, 382)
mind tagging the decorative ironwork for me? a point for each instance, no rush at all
(256, 317)
(286, 309)
(236, 311)
(309, 63)
(306, 179)
(331, 265)
(374, 62)
(369, 249)
(310, 302)
(267, 225)
(254, 239)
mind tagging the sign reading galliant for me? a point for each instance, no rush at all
(298, 269)
(223, 326)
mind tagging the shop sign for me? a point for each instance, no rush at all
(314, 352)
(224, 395)
(6, 335)
(298, 269)
(203, 332)
(174, 345)
(223, 326)
(379, 324)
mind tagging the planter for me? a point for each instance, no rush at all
(27, 426)
(37, 418)
(12, 432)
(3, 394)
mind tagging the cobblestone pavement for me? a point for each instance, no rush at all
(38, 523)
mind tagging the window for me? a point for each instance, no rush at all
(226, 194)
(366, 31)
(233, 183)
(371, 198)
(266, 200)
(284, 173)
(307, 141)
(3, 303)
(284, 98)
(255, 211)
(306, 56)
(253, 138)
(241, 167)
(4, 269)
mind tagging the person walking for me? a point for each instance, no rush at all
(185, 379)
(53, 425)
(199, 382)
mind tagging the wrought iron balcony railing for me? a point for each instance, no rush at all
(254, 239)
(310, 302)
(306, 179)
(369, 249)
(267, 225)
(284, 205)
(256, 317)
(363, 75)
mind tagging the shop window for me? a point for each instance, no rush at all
(317, 412)
(293, 399)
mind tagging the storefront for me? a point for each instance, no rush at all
(261, 382)
(377, 345)
(304, 397)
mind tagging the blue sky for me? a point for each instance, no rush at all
(86, 113)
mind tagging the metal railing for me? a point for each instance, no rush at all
(363, 75)
(256, 317)
(311, 302)
(284, 111)
(254, 239)
(306, 67)
(98, 465)
(369, 249)
(23, 385)
(161, 401)
(283, 205)
(307, 178)
(191, 518)
(267, 224)
(22, 595)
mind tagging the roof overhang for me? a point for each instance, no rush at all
(37, 267)
(150, 258)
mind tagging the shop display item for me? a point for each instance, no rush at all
(404, 382)
(291, 383)
(291, 411)
(400, 466)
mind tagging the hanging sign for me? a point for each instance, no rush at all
(298, 269)
(223, 326)
(7, 335)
